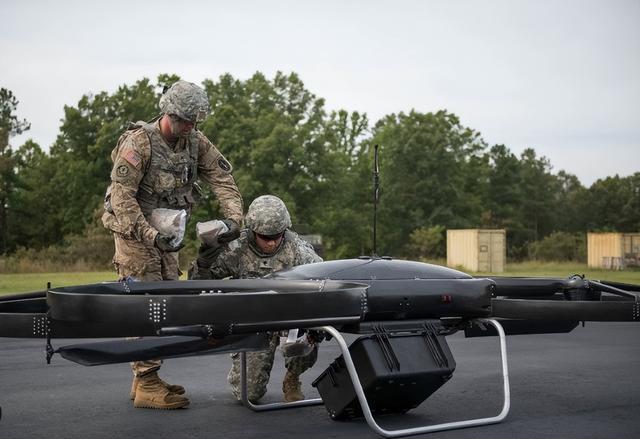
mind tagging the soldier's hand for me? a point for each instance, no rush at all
(231, 234)
(163, 242)
(207, 255)
(316, 336)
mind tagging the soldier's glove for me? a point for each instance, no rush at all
(297, 347)
(316, 336)
(207, 255)
(164, 243)
(231, 234)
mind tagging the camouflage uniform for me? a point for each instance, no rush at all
(243, 259)
(149, 173)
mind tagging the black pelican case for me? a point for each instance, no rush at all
(397, 372)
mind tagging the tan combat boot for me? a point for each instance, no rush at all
(172, 388)
(291, 388)
(152, 394)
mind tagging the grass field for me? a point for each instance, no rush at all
(23, 282)
(565, 269)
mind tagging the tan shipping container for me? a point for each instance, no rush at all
(477, 249)
(613, 250)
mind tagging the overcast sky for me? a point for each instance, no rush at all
(562, 77)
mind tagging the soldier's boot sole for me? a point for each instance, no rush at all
(161, 400)
(146, 404)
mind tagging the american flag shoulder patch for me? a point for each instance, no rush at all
(133, 158)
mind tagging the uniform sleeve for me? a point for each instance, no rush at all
(215, 170)
(129, 162)
(226, 263)
(305, 253)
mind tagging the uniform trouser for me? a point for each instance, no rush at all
(144, 263)
(259, 365)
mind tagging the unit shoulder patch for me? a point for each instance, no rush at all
(224, 165)
(122, 171)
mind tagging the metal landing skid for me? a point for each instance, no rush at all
(363, 400)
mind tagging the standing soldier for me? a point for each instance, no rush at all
(155, 165)
(265, 246)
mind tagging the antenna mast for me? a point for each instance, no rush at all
(376, 195)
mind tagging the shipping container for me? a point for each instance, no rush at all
(477, 249)
(613, 251)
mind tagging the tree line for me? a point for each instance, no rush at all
(436, 173)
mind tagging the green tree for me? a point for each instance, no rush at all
(345, 210)
(428, 242)
(630, 214)
(10, 125)
(270, 131)
(280, 138)
(281, 141)
(538, 189)
(433, 173)
(32, 206)
(275, 132)
(615, 204)
(504, 186)
(525, 198)
(81, 154)
(572, 203)
(560, 246)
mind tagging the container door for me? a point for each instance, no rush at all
(635, 245)
(634, 256)
(626, 245)
(497, 252)
(484, 250)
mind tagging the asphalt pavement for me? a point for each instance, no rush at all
(585, 384)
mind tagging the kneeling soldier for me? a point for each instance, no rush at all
(265, 246)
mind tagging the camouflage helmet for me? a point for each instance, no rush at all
(186, 100)
(267, 215)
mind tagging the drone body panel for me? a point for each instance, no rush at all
(367, 268)
(404, 289)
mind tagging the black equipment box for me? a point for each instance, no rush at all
(397, 372)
